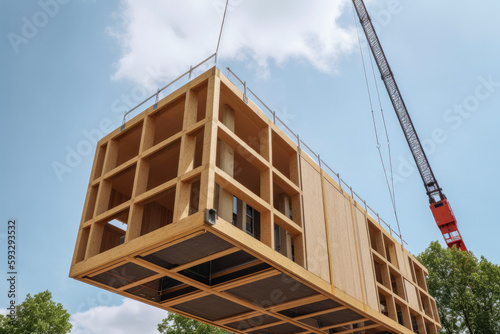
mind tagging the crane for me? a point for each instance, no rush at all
(439, 205)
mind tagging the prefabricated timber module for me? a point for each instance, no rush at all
(203, 207)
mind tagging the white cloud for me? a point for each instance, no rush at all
(131, 317)
(166, 37)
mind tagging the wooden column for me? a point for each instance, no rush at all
(186, 157)
(285, 237)
(95, 240)
(207, 183)
(135, 218)
(266, 188)
(241, 214)
(406, 316)
(226, 159)
(420, 323)
(134, 222)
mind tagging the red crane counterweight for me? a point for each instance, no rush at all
(445, 220)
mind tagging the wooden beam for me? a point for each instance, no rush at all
(161, 145)
(346, 323)
(109, 214)
(285, 183)
(144, 197)
(247, 279)
(240, 191)
(287, 223)
(205, 259)
(222, 294)
(315, 314)
(140, 282)
(256, 328)
(185, 298)
(158, 238)
(359, 329)
(232, 140)
(238, 317)
(297, 302)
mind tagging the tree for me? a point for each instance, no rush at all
(467, 290)
(178, 324)
(38, 315)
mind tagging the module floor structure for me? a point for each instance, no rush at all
(202, 206)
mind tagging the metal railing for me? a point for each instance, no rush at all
(191, 69)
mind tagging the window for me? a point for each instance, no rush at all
(250, 220)
(235, 211)
(277, 238)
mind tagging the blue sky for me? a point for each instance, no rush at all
(70, 68)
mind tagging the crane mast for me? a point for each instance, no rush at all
(439, 205)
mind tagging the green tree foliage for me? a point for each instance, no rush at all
(466, 289)
(37, 315)
(177, 324)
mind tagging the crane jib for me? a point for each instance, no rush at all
(439, 204)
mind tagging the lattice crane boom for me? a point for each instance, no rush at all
(439, 205)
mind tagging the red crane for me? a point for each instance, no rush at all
(439, 205)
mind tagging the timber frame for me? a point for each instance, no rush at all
(288, 250)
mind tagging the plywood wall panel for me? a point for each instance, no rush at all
(346, 276)
(411, 295)
(402, 260)
(314, 222)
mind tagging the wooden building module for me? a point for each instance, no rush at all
(202, 206)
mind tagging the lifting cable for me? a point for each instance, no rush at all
(191, 69)
(220, 33)
(390, 185)
(385, 129)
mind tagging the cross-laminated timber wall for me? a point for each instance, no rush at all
(289, 252)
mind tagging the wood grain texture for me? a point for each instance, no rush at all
(346, 273)
(314, 222)
(364, 251)
(411, 295)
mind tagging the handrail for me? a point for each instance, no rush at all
(164, 87)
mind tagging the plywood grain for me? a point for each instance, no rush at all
(342, 243)
(411, 295)
(314, 222)
(366, 262)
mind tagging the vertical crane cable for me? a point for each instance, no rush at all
(220, 33)
(386, 134)
(391, 189)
